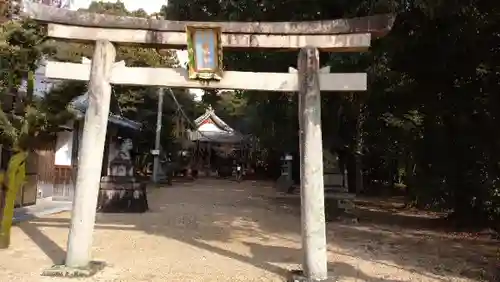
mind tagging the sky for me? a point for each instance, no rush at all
(150, 6)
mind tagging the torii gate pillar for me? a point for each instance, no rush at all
(311, 169)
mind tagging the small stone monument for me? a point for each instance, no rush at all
(121, 165)
(120, 192)
(285, 182)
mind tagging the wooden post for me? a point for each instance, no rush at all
(91, 156)
(156, 160)
(311, 167)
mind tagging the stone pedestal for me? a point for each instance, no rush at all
(298, 276)
(335, 181)
(120, 192)
(70, 272)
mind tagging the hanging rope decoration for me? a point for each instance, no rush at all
(180, 129)
(183, 128)
(177, 127)
(184, 116)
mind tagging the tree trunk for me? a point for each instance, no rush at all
(13, 180)
(412, 198)
(351, 173)
(358, 147)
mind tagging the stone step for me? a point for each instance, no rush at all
(328, 188)
(334, 196)
(42, 207)
(345, 204)
(336, 189)
(348, 218)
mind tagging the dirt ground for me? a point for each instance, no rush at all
(212, 230)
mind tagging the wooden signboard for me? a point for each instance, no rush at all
(204, 52)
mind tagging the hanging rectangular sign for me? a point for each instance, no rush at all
(204, 52)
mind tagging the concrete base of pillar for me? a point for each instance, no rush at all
(70, 272)
(298, 276)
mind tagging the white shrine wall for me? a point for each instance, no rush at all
(64, 148)
(209, 127)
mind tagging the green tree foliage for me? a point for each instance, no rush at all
(24, 121)
(428, 120)
(136, 102)
(23, 44)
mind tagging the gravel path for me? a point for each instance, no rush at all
(213, 230)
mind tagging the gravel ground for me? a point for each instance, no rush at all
(212, 230)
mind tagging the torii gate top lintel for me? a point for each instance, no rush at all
(341, 35)
(377, 25)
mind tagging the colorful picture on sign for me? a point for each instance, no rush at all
(204, 41)
(205, 53)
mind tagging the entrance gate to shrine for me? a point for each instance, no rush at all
(344, 35)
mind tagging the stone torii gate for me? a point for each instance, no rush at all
(344, 35)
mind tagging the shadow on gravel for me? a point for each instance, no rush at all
(49, 247)
(208, 210)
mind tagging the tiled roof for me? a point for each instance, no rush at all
(226, 135)
(210, 114)
(81, 104)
